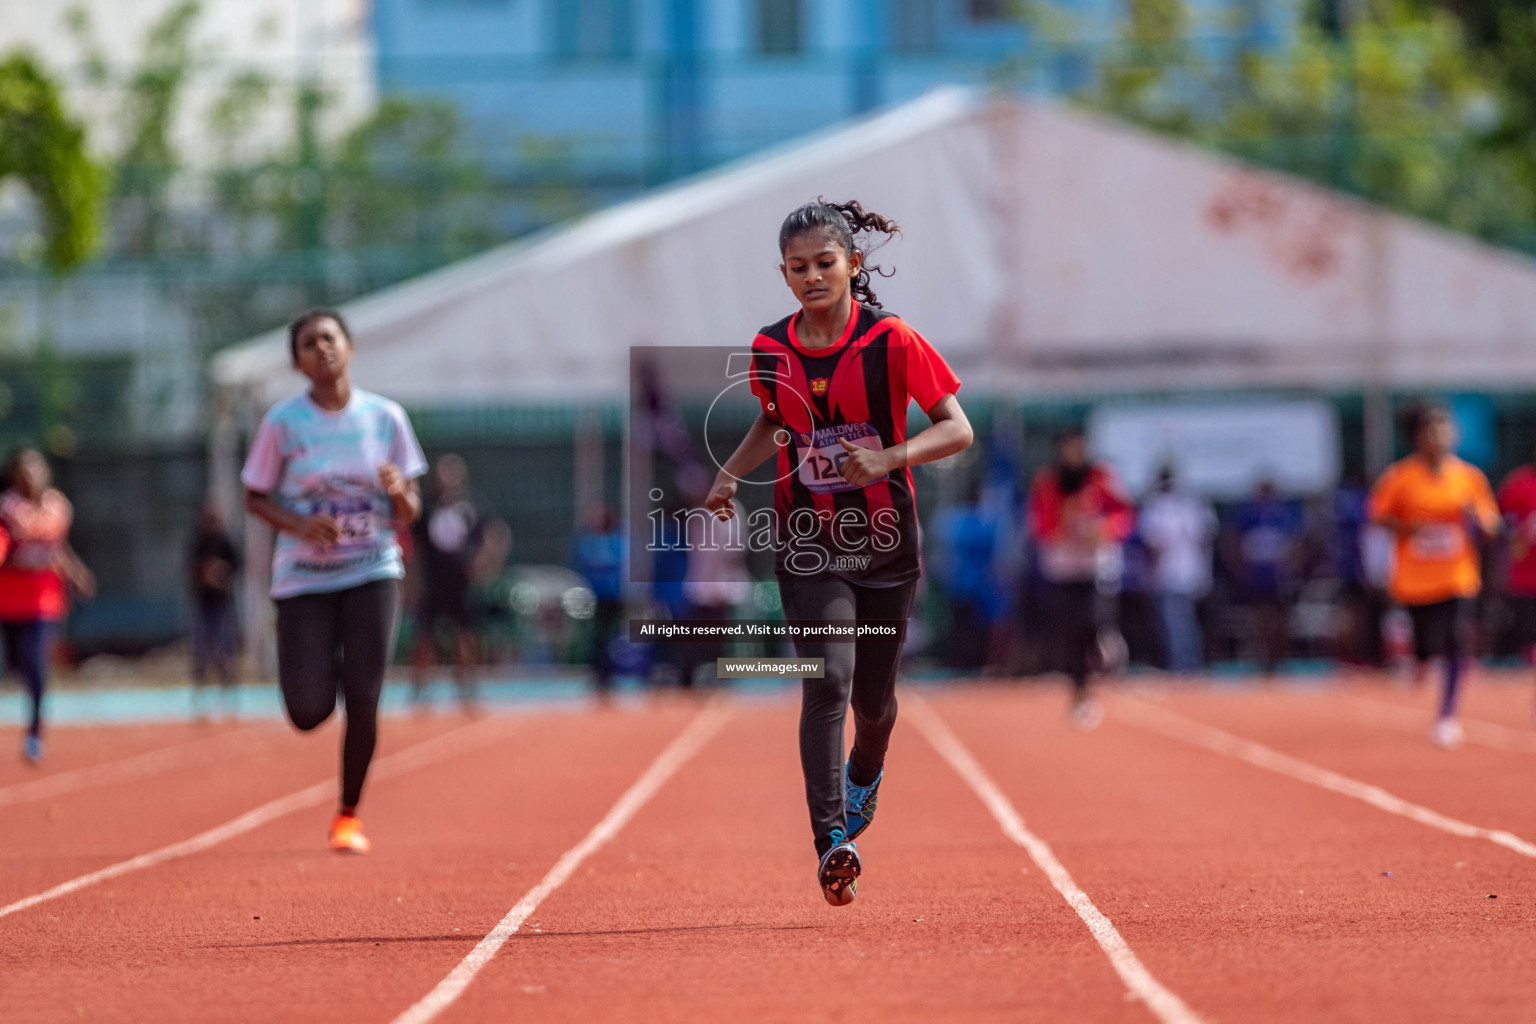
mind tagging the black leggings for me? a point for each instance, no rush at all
(26, 652)
(1440, 630)
(863, 670)
(339, 643)
(1073, 616)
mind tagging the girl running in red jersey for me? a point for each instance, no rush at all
(834, 380)
(36, 564)
(332, 471)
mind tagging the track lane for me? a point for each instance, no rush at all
(54, 840)
(706, 908)
(272, 926)
(1334, 729)
(76, 748)
(672, 758)
(1502, 696)
(205, 750)
(1254, 896)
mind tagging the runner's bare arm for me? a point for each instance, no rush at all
(75, 572)
(950, 433)
(753, 451)
(321, 529)
(404, 495)
(1483, 510)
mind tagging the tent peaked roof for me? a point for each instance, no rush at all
(1045, 250)
(557, 250)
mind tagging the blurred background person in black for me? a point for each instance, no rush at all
(599, 557)
(1262, 550)
(213, 565)
(968, 535)
(447, 540)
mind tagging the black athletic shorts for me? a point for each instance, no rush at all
(1440, 630)
(444, 599)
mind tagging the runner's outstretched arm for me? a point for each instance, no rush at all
(404, 495)
(753, 451)
(320, 529)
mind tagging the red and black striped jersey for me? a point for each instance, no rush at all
(855, 390)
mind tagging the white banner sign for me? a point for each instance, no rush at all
(1221, 450)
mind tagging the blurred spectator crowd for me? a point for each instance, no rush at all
(1074, 575)
(1258, 584)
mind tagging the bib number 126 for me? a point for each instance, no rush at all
(822, 469)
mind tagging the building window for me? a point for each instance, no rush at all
(915, 25)
(594, 28)
(779, 26)
(988, 10)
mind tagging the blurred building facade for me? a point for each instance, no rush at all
(93, 43)
(174, 93)
(104, 367)
(641, 91)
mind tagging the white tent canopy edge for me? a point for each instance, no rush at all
(1046, 251)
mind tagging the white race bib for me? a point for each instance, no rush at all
(1438, 542)
(356, 527)
(355, 521)
(821, 470)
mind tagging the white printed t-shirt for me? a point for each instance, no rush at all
(313, 461)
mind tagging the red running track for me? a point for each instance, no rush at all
(1245, 893)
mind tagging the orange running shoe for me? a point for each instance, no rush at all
(347, 835)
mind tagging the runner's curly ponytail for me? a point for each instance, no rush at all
(843, 222)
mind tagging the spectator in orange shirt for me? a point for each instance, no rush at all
(36, 562)
(1437, 507)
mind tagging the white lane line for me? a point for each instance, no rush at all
(1375, 711)
(419, 755)
(1176, 726)
(689, 742)
(1406, 719)
(1165, 1006)
(139, 766)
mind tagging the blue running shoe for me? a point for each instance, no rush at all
(859, 803)
(839, 871)
(32, 749)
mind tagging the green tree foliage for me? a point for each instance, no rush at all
(318, 217)
(401, 181)
(1506, 32)
(149, 163)
(329, 218)
(43, 146)
(1399, 105)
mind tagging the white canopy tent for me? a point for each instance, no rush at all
(1046, 251)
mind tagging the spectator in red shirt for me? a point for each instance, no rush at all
(36, 562)
(1078, 519)
(1517, 501)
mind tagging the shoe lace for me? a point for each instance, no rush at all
(862, 797)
